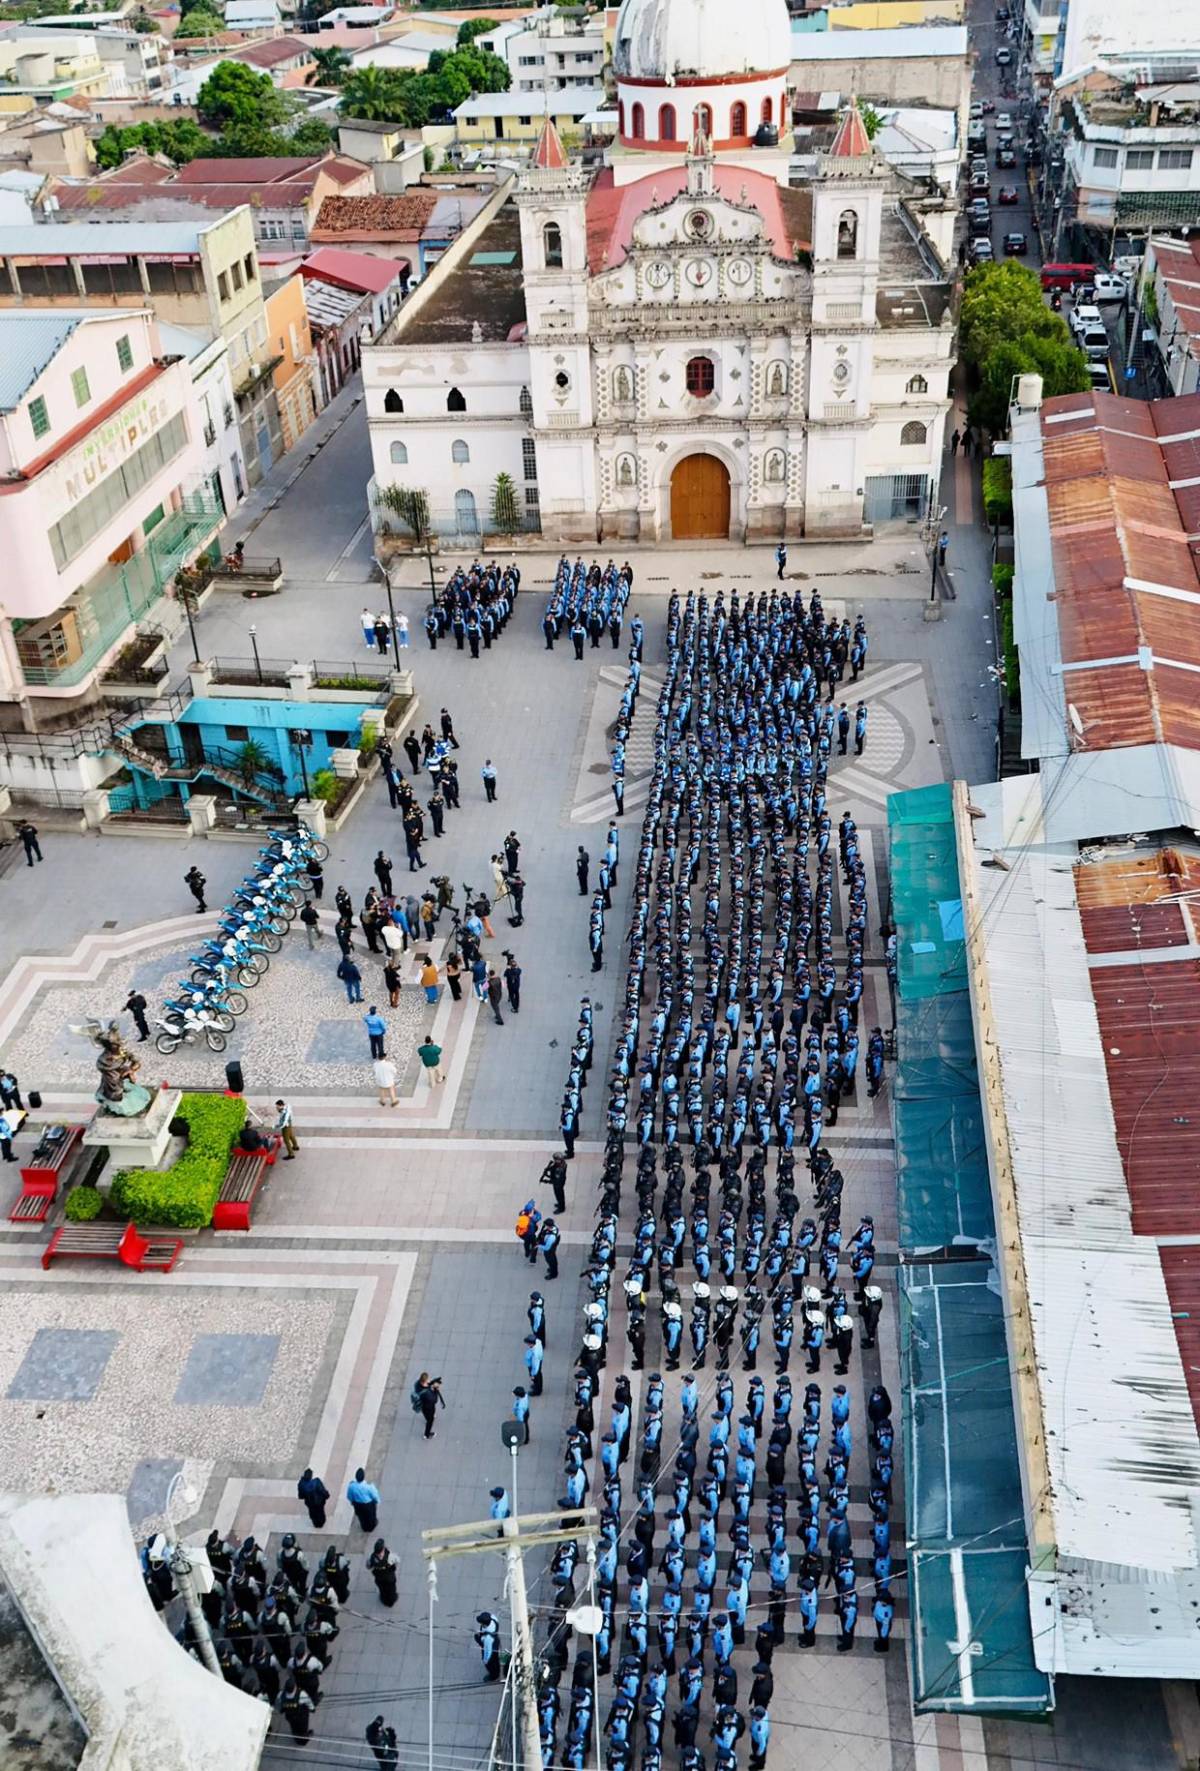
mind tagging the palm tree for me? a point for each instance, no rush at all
(372, 94)
(330, 69)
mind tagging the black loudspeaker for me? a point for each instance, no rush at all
(234, 1080)
(35, 1100)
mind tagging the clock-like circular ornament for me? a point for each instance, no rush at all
(740, 272)
(658, 275)
(698, 272)
(841, 373)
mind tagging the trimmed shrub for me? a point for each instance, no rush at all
(1002, 580)
(83, 1204)
(185, 1194)
(997, 490)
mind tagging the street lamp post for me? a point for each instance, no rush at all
(302, 739)
(186, 600)
(387, 579)
(254, 644)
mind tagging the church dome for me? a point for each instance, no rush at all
(700, 39)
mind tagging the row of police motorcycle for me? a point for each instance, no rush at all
(249, 929)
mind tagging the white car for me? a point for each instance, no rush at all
(1084, 316)
(1004, 122)
(975, 115)
(1109, 287)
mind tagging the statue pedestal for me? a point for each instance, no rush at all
(139, 1142)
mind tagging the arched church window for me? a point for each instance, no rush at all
(455, 401)
(552, 246)
(768, 112)
(666, 122)
(399, 455)
(847, 234)
(913, 433)
(525, 403)
(918, 385)
(638, 129)
(459, 451)
(737, 120)
(392, 401)
(776, 381)
(700, 376)
(623, 385)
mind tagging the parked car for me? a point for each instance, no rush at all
(975, 114)
(1083, 315)
(981, 250)
(1007, 194)
(1015, 245)
(1004, 122)
(1109, 287)
(980, 184)
(1100, 375)
(1006, 157)
(1003, 56)
(1093, 343)
(1002, 15)
(1129, 268)
(977, 136)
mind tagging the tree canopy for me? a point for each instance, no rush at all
(234, 95)
(180, 141)
(199, 24)
(1006, 329)
(472, 28)
(332, 66)
(411, 99)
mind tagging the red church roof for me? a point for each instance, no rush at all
(851, 141)
(613, 209)
(549, 154)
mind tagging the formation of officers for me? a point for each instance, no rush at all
(743, 1043)
(587, 602)
(473, 606)
(273, 1629)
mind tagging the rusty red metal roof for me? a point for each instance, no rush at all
(1127, 584)
(1149, 1017)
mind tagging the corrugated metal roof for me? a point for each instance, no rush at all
(71, 239)
(28, 342)
(1121, 1441)
(1118, 542)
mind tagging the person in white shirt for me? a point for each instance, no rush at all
(402, 632)
(385, 1077)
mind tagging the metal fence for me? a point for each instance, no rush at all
(252, 672)
(67, 799)
(338, 671)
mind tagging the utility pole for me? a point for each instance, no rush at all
(512, 1538)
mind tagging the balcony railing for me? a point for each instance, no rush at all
(121, 595)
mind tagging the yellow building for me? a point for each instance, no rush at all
(886, 15)
(291, 344)
(515, 117)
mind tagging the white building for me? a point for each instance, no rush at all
(682, 345)
(222, 468)
(556, 53)
(136, 62)
(1175, 270)
(1094, 29)
(1131, 149)
(100, 492)
(252, 15)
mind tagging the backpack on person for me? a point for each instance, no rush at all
(414, 1396)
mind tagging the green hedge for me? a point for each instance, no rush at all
(997, 490)
(83, 1204)
(1002, 580)
(184, 1195)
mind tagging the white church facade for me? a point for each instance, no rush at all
(686, 344)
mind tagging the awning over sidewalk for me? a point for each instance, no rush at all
(970, 1643)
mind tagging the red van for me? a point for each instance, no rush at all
(1065, 276)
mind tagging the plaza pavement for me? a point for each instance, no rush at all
(388, 1247)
